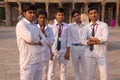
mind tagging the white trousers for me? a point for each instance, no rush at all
(45, 65)
(101, 62)
(62, 66)
(78, 59)
(31, 72)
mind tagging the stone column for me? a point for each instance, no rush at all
(86, 7)
(70, 10)
(47, 8)
(117, 13)
(103, 10)
(8, 14)
(19, 8)
(33, 1)
(73, 4)
(60, 4)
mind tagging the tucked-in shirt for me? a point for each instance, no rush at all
(63, 37)
(101, 32)
(75, 33)
(46, 46)
(28, 35)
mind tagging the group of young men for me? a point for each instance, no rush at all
(42, 45)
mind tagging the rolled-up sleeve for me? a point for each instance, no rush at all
(104, 37)
(50, 38)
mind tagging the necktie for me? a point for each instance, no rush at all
(58, 40)
(93, 33)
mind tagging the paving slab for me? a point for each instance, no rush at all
(9, 56)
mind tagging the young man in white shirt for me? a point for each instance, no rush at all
(59, 47)
(30, 40)
(77, 51)
(95, 36)
(47, 31)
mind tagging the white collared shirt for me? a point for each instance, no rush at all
(46, 46)
(75, 33)
(63, 37)
(27, 35)
(101, 32)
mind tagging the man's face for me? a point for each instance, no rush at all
(29, 15)
(41, 19)
(76, 17)
(93, 15)
(59, 16)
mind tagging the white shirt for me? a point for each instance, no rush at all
(46, 46)
(27, 34)
(63, 37)
(75, 33)
(101, 32)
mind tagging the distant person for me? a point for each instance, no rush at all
(30, 41)
(112, 23)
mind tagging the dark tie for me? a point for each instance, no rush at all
(58, 40)
(93, 33)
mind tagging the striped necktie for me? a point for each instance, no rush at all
(93, 34)
(58, 40)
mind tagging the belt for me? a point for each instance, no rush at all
(76, 44)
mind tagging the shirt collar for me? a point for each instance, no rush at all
(56, 23)
(97, 22)
(81, 25)
(40, 27)
(27, 21)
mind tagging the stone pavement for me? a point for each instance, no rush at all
(9, 56)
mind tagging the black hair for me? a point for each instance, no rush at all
(75, 11)
(27, 7)
(60, 9)
(92, 8)
(42, 12)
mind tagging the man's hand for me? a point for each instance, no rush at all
(91, 43)
(67, 54)
(94, 40)
(40, 44)
(51, 55)
(43, 30)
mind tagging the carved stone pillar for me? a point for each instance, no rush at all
(103, 10)
(86, 7)
(19, 8)
(60, 4)
(117, 13)
(47, 8)
(8, 14)
(73, 4)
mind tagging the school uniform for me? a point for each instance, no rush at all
(98, 55)
(46, 50)
(77, 50)
(28, 37)
(58, 54)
